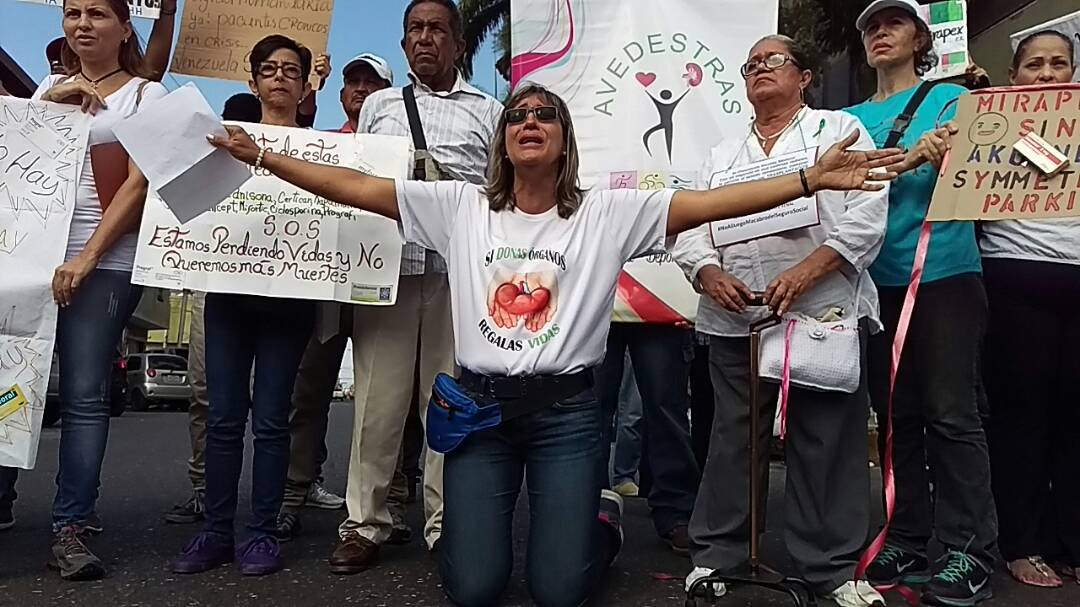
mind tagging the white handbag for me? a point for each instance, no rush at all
(813, 354)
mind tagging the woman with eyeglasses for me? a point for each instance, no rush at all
(818, 270)
(242, 330)
(104, 72)
(936, 422)
(533, 265)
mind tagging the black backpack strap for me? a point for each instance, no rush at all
(903, 121)
(417, 129)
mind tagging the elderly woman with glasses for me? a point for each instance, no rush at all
(816, 268)
(242, 330)
(533, 265)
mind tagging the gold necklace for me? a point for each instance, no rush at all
(763, 139)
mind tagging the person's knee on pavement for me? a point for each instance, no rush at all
(469, 587)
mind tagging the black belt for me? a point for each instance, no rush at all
(524, 394)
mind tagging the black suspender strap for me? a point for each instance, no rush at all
(903, 121)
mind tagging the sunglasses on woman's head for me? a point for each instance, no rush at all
(544, 113)
(770, 63)
(270, 69)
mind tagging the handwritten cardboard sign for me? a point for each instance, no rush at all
(148, 9)
(42, 149)
(216, 36)
(274, 239)
(986, 179)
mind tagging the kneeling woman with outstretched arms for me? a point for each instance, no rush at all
(533, 264)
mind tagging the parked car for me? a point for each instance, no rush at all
(339, 391)
(157, 378)
(118, 389)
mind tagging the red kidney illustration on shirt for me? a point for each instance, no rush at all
(531, 297)
(517, 299)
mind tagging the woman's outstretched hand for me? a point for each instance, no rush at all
(238, 143)
(843, 169)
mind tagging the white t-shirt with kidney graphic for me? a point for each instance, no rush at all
(531, 294)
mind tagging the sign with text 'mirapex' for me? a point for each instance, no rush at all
(274, 239)
(948, 28)
(987, 179)
(149, 9)
(42, 147)
(216, 36)
(652, 87)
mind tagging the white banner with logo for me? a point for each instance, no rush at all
(652, 87)
(42, 147)
(271, 238)
(149, 9)
(1068, 25)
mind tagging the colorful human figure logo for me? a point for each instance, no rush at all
(666, 102)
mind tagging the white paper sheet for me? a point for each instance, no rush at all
(42, 146)
(274, 239)
(167, 140)
(796, 214)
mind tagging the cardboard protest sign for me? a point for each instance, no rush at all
(1068, 25)
(42, 149)
(216, 36)
(948, 28)
(986, 179)
(652, 87)
(149, 9)
(271, 238)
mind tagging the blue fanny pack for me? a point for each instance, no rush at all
(454, 411)
(453, 415)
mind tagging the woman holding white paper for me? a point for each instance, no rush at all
(242, 331)
(816, 267)
(105, 74)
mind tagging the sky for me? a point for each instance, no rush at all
(358, 26)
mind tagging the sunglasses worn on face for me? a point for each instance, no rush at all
(270, 69)
(545, 113)
(770, 63)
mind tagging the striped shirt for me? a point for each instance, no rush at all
(459, 126)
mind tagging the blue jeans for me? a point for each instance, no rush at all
(242, 330)
(87, 333)
(628, 430)
(661, 358)
(557, 450)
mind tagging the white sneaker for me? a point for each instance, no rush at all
(319, 497)
(857, 594)
(718, 588)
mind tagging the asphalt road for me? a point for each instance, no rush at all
(145, 474)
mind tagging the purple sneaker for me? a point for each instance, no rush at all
(206, 551)
(259, 555)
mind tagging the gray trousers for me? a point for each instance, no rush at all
(827, 502)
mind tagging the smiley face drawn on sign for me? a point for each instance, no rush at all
(988, 128)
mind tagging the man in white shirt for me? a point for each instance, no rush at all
(314, 387)
(392, 343)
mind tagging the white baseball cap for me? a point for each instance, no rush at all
(877, 6)
(377, 63)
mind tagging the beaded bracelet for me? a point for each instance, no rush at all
(259, 159)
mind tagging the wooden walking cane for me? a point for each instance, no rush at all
(756, 574)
